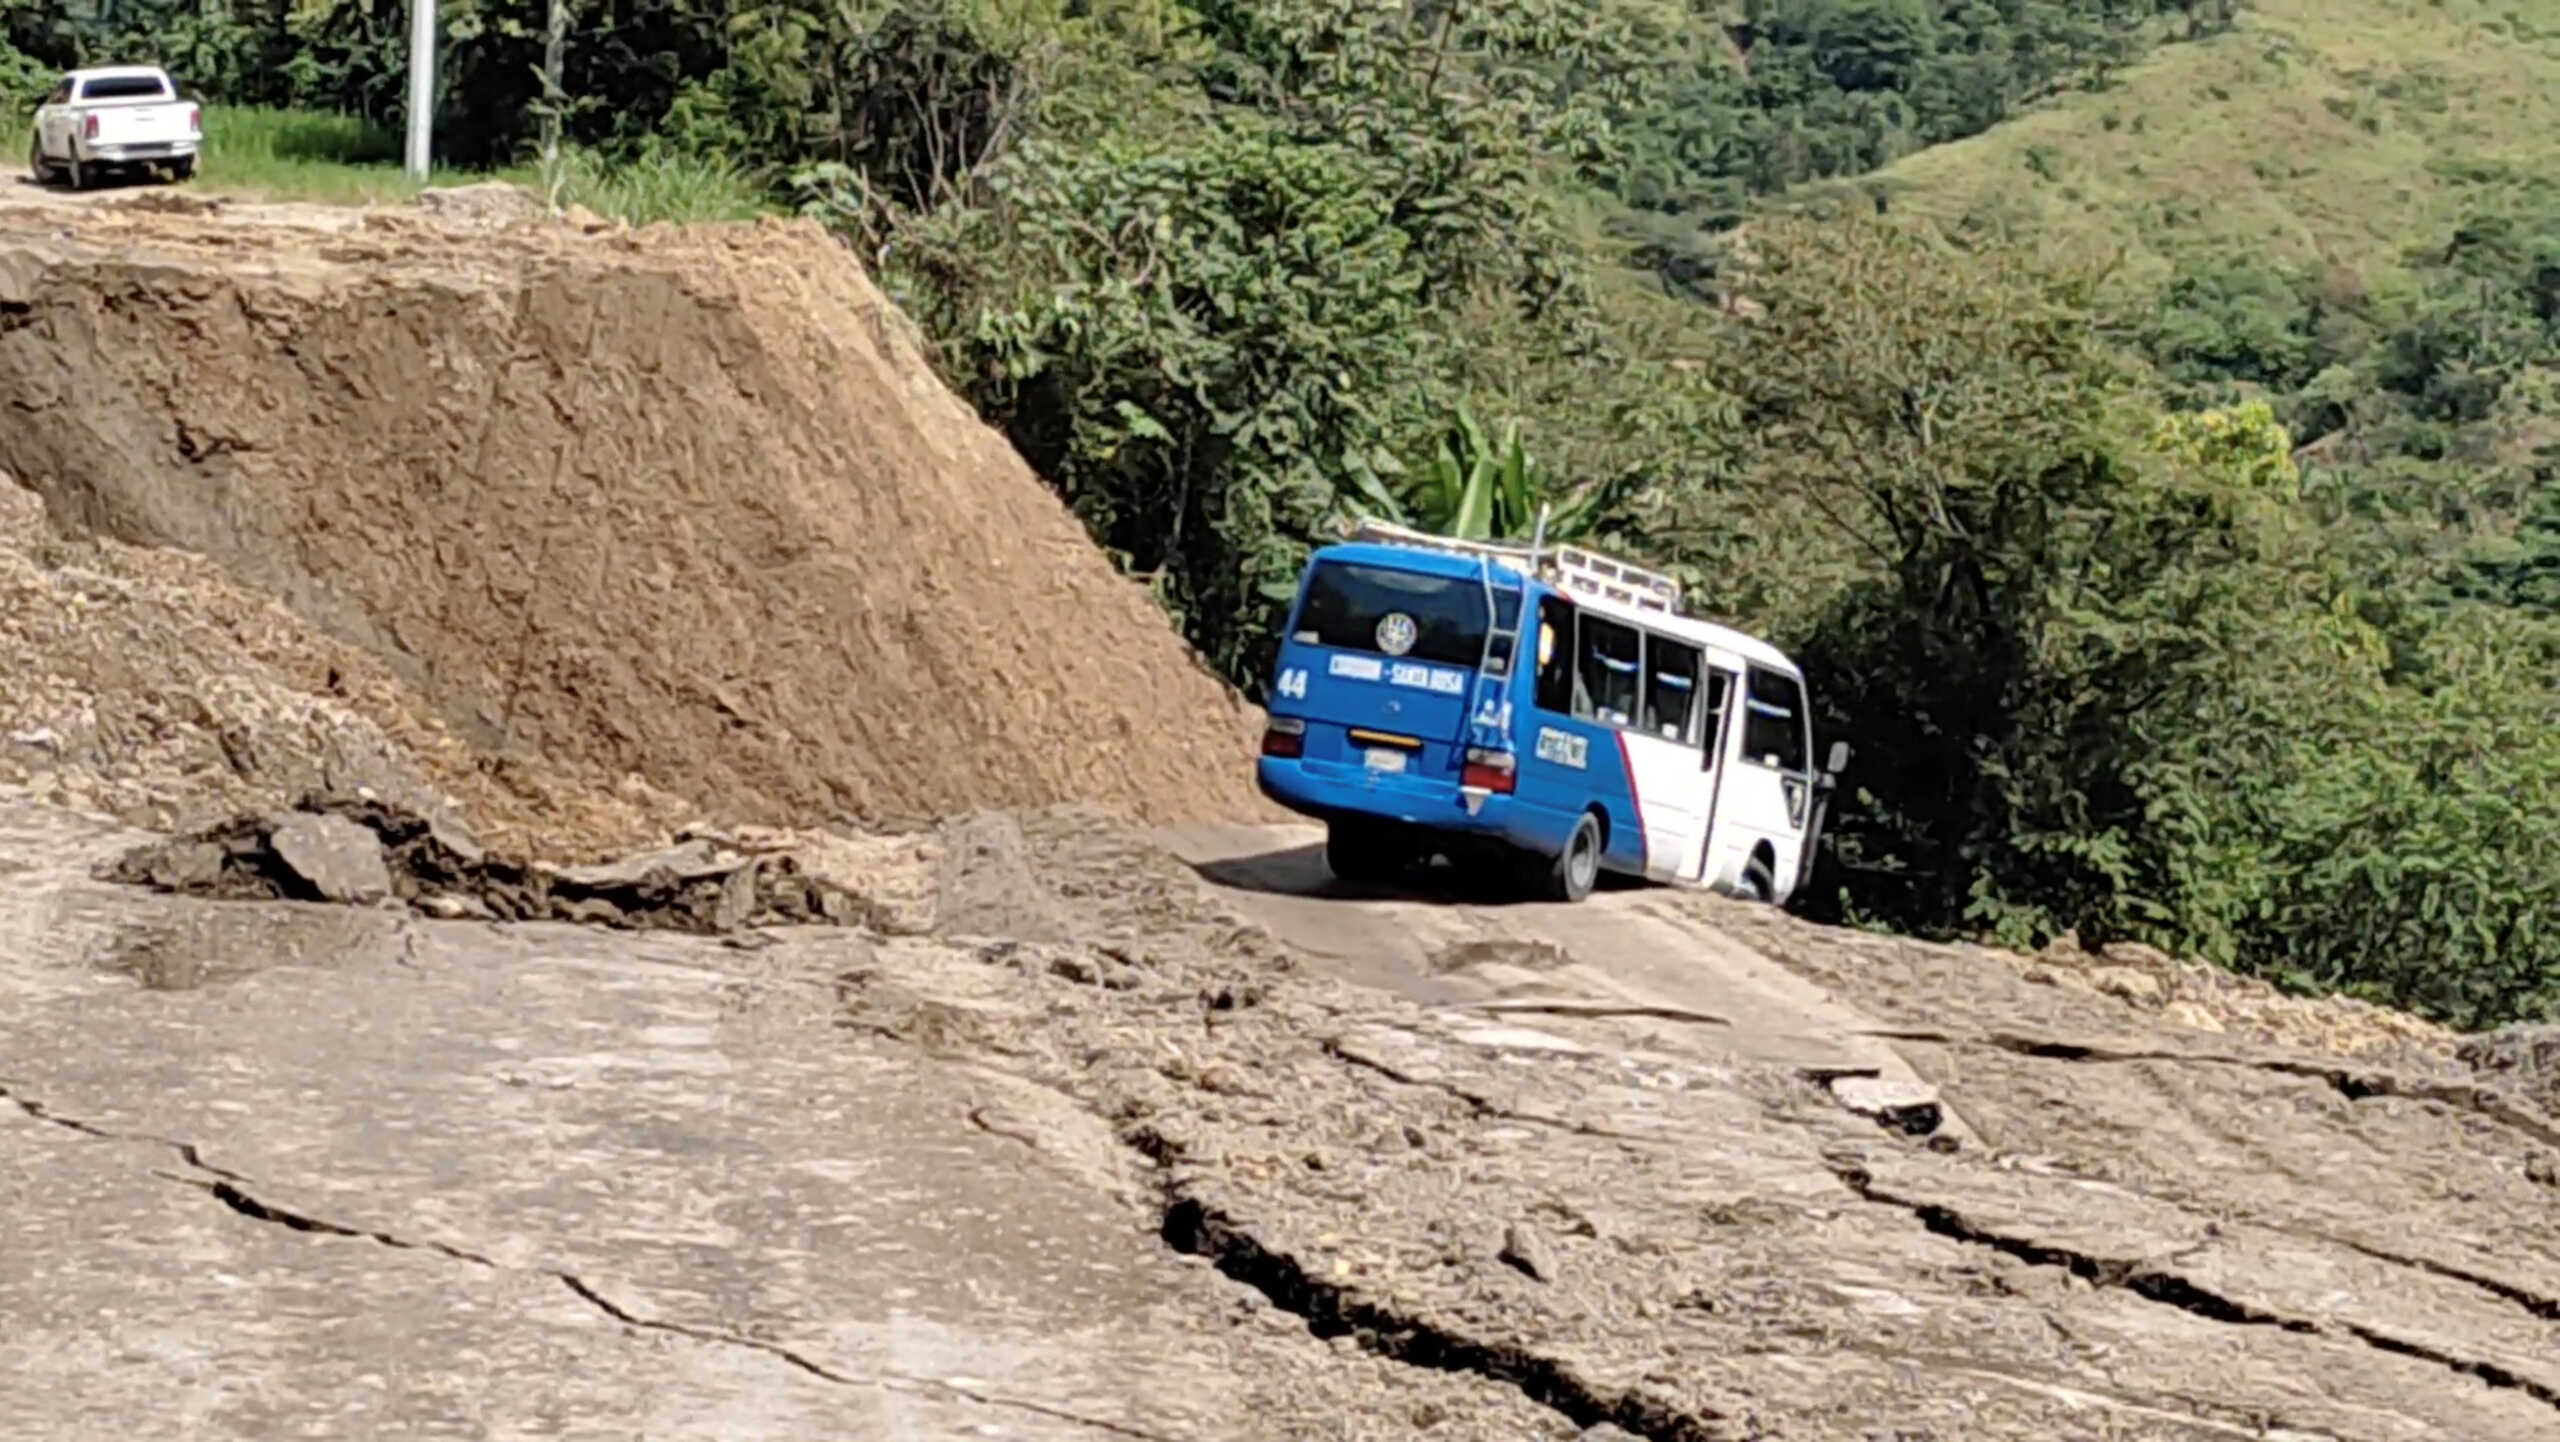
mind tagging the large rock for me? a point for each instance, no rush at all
(337, 858)
(1527, 1249)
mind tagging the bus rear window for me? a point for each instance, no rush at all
(1350, 606)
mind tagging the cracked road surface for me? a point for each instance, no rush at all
(1638, 955)
(1096, 1153)
(348, 1173)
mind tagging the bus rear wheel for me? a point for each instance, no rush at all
(1358, 852)
(1571, 873)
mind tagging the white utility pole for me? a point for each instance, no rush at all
(555, 35)
(422, 84)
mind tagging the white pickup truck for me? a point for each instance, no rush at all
(114, 118)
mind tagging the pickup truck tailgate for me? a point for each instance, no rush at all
(157, 122)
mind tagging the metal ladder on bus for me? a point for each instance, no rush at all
(1489, 718)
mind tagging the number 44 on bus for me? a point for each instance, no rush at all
(1408, 717)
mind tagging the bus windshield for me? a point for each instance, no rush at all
(1346, 605)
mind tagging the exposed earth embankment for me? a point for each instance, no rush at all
(682, 505)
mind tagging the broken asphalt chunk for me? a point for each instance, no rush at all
(1527, 1250)
(363, 850)
(1908, 1107)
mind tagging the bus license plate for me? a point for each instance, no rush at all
(1381, 759)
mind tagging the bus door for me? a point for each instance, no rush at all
(1769, 794)
(1569, 752)
(1715, 751)
(1674, 794)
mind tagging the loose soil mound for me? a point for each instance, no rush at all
(143, 684)
(681, 503)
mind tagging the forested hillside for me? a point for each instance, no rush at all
(2157, 480)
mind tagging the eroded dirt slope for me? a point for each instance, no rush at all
(685, 504)
(144, 684)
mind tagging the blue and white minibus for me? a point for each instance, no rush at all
(1407, 715)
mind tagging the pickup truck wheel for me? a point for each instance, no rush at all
(37, 170)
(182, 171)
(80, 177)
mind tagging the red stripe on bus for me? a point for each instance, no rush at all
(1627, 764)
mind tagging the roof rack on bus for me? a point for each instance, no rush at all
(1593, 574)
(1386, 533)
(1569, 568)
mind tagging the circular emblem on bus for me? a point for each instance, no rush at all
(1396, 633)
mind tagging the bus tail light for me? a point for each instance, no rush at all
(1489, 770)
(1284, 737)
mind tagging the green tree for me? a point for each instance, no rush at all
(2050, 592)
(1193, 344)
(2400, 842)
(1207, 335)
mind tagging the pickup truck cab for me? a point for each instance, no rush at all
(114, 118)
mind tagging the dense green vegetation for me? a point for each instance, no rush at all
(2208, 598)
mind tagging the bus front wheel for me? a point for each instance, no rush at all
(1571, 873)
(1757, 882)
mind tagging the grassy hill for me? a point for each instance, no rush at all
(2350, 207)
(2318, 132)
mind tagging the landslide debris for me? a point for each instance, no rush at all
(145, 684)
(685, 503)
(2158, 1239)
(1907, 980)
(360, 850)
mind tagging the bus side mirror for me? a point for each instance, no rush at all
(1839, 760)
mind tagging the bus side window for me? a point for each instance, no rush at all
(1612, 670)
(1711, 730)
(1670, 690)
(1555, 643)
(1773, 731)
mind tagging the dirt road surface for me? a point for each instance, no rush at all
(1630, 955)
(1082, 1148)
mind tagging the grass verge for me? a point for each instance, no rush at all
(285, 155)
